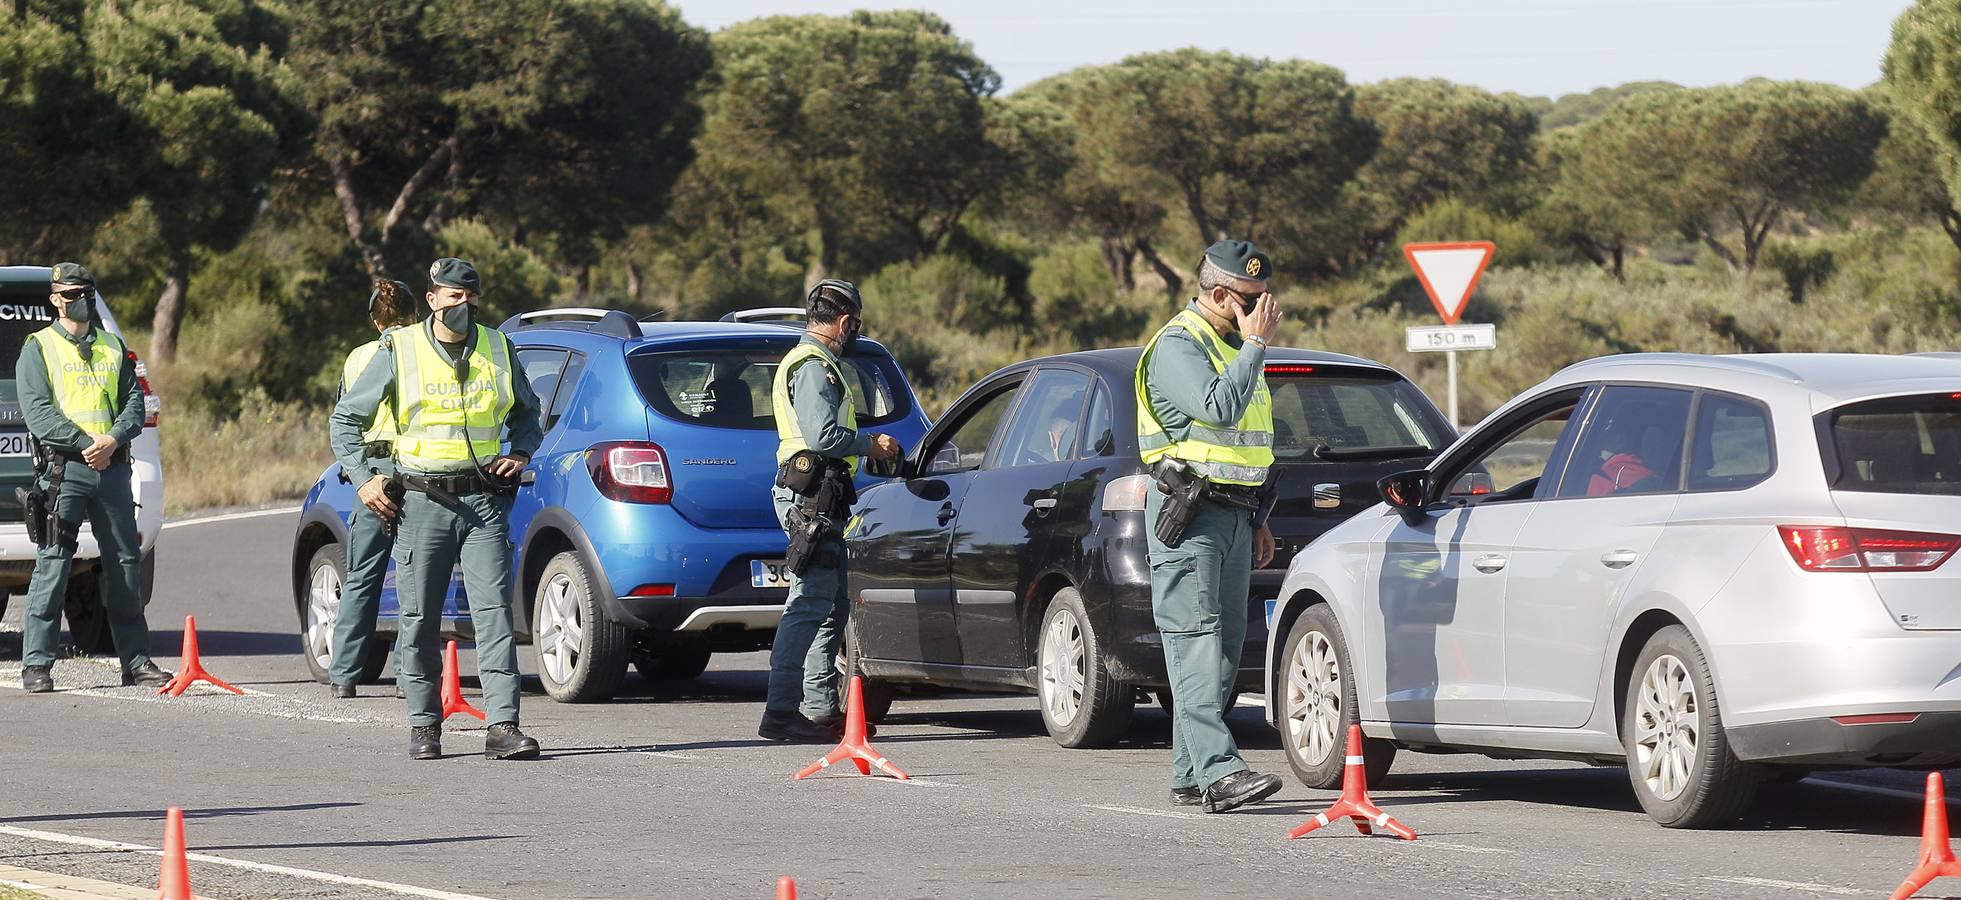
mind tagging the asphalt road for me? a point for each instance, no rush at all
(667, 792)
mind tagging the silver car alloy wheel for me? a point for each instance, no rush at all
(1314, 697)
(561, 635)
(322, 615)
(1064, 673)
(1667, 723)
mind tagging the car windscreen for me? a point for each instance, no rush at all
(728, 386)
(1349, 413)
(21, 314)
(1898, 445)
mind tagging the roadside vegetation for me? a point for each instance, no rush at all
(236, 172)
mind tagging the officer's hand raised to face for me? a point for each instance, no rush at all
(372, 496)
(1261, 322)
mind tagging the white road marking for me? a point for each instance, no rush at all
(281, 707)
(1788, 885)
(407, 890)
(1140, 811)
(1462, 848)
(1877, 790)
(232, 517)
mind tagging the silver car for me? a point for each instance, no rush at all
(1716, 569)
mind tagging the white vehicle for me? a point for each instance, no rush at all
(24, 310)
(1713, 569)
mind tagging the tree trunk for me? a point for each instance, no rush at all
(1620, 271)
(827, 253)
(1951, 223)
(1722, 251)
(1173, 284)
(170, 308)
(632, 278)
(414, 186)
(350, 211)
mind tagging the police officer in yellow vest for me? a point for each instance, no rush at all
(1205, 428)
(457, 397)
(370, 540)
(816, 410)
(81, 400)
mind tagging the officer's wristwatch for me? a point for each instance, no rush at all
(1257, 340)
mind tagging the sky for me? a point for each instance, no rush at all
(1535, 47)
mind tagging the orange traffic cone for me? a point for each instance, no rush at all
(854, 746)
(1936, 854)
(192, 669)
(786, 888)
(1355, 803)
(453, 701)
(175, 881)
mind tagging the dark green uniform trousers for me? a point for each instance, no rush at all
(368, 547)
(432, 537)
(104, 498)
(1198, 596)
(803, 673)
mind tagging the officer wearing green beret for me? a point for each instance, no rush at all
(370, 539)
(457, 395)
(1205, 427)
(816, 410)
(82, 402)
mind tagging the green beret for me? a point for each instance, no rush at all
(374, 296)
(455, 273)
(1240, 259)
(71, 273)
(837, 289)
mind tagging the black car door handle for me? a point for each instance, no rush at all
(946, 514)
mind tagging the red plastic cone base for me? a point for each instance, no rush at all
(786, 888)
(175, 881)
(1936, 853)
(191, 670)
(1355, 803)
(855, 747)
(453, 701)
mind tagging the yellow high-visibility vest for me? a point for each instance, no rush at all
(1239, 454)
(85, 390)
(443, 424)
(383, 427)
(789, 436)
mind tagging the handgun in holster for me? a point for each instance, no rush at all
(825, 495)
(38, 503)
(396, 492)
(1183, 490)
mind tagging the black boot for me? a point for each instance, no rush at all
(36, 679)
(1239, 789)
(426, 742)
(343, 691)
(793, 728)
(146, 675)
(835, 722)
(504, 741)
(1187, 796)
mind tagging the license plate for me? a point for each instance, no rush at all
(769, 573)
(13, 443)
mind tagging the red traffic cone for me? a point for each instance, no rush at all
(1936, 854)
(192, 669)
(453, 701)
(1355, 803)
(854, 746)
(786, 888)
(175, 881)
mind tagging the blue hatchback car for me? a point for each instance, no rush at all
(643, 533)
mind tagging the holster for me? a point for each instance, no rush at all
(1183, 490)
(38, 503)
(807, 533)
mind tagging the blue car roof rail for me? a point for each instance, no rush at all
(617, 323)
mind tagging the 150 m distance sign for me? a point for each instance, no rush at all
(1439, 338)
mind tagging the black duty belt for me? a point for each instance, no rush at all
(1234, 495)
(461, 483)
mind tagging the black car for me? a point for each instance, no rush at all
(1011, 554)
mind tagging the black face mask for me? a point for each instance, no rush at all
(456, 318)
(77, 310)
(848, 338)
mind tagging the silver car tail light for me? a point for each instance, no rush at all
(1126, 493)
(1834, 548)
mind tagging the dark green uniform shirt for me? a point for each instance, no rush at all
(376, 384)
(1183, 387)
(816, 396)
(44, 417)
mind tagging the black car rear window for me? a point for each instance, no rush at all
(1348, 412)
(21, 314)
(728, 385)
(1899, 445)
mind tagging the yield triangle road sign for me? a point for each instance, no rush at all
(1449, 272)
